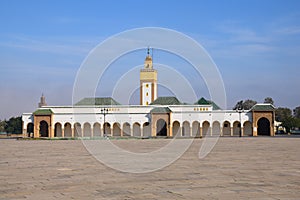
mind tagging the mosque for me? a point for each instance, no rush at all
(154, 117)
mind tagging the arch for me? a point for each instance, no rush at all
(247, 128)
(136, 129)
(67, 130)
(126, 129)
(96, 130)
(236, 128)
(116, 129)
(106, 129)
(161, 127)
(226, 129)
(77, 130)
(57, 130)
(176, 129)
(263, 127)
(216, 128)
(146, 129)
(87, 131)
(44, 129)
(196, 129)
(186, 128)
(206, 128)
(29, 129)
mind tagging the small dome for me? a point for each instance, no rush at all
(148, 58)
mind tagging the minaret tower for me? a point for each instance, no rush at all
(148, 82)
(43, 101)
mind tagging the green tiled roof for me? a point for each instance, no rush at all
(263, 107)
(161, 110)
(43, 112)
(97, 101)
(203, 101)
(166, 101)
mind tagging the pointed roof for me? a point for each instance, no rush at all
(203, 101)
(161, 110)
(263, 107)
(97, 101)
(166, 101)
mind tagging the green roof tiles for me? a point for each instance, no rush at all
(263, 107)
(203, 101)
(43, 112)
(166, 101)
(97, 101)
(161, 110)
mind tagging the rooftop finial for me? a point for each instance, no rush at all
(148, 51)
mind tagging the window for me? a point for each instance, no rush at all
(147, 94)
(147, 103)
(147, 85)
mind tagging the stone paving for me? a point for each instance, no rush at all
(237, 168)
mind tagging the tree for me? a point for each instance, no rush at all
(246, 105)
(283, 114)
(269, 100)
(14, 125)
(297, 112)
(2, 126)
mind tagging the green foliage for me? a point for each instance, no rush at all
(246, 105)
(269, 100)
(2, 126)
(297, 112)
(13, 125)
(282, 114)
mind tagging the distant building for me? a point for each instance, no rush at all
(155, 116)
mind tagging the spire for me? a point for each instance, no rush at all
(42, 101)
(148, 60)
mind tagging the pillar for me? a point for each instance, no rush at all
(62, 132)
(231, 131)
(191, 131)
(72, 130)
(171, 131)
(201, 132)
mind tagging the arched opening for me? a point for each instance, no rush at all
(136, 130)
(126, 129)
(216, 128)
(44, 130)
(97, 129)
(87, 131)
(248, 128)
(30, 129)
(161, 128)
(206, 128)
(146, 129)
(176, 129)
(196, 129)
(116, 129)
(67, 130)
(226, 128)
(57, 130)
(236, 128)
(263, 126)
(107, 129)
(77, 130)
(186, 129)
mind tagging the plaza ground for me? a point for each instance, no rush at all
(237, 168)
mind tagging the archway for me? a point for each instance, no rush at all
(161, 128)
(146, 129)
(186, 129)
(116, 129)
(107, 129)
(236, 128)
(44, 131)
(226, 129)
(57, 130)
(263, 126)
(67, 130)
(96, 130)
(30, 127)
(136, 129)
(206, 128)
(126, 129)
(216, 128)
(87, 131)
(247, 128)
(196, 129)
(176, 129)
(77, 130)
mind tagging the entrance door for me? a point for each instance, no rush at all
(161, 128)
(263, 126)
(44, 132)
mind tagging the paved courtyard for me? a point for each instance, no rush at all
(237, 168)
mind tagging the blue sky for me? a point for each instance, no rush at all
(255, 44)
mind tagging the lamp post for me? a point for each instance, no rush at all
(240, 110)
(104, 111)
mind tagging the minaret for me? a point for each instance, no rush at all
(148, 82)
(43, 101)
